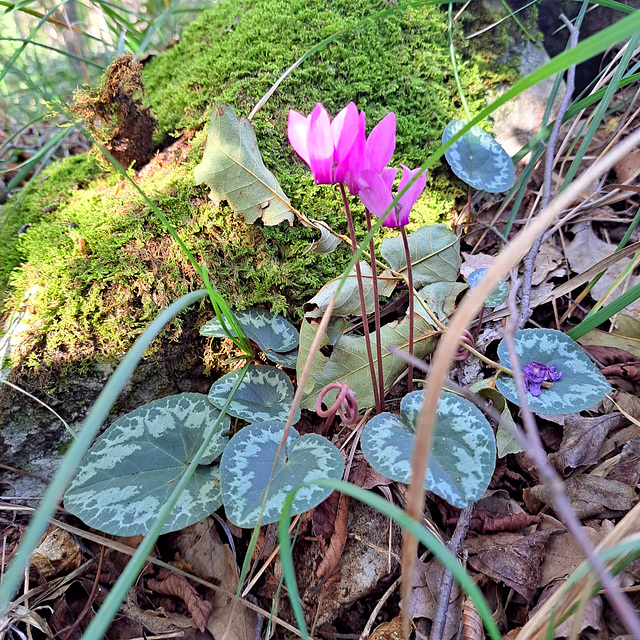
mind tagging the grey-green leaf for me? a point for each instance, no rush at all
(434, 251)
(441, 298)
(233, 169)
(463, 454)
(478, 159)
(270, 332)
(247, 464)
(131, 469)
(497, 295)
(581, 385)
(265, 394)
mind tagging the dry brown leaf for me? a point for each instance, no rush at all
(427, 580)
(627, 470)
(391, 630)
(473, 262)
(471, 621)
(563, 554)
(211, 559)
(324, 516)
(548, 264)
(582, 440)
(57, 552)
(628, 168)
(331, 560)
(511, 558)
(171, 584)
(589, 496)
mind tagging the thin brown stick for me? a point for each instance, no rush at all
(525, 305)
(405, 242)
(376, 307)
(363, 304)
(448, 345)
(535, 451)
(459, 534)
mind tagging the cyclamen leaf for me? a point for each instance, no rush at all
(441, 298)
(462, 457)
(131, 469)
(434, 251)
(497, 295)
(581, 385)
(246, 469)
(478, 159)
(265, 394)
(232, 167)
(270, 332)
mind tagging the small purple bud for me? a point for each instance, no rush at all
(535, 373)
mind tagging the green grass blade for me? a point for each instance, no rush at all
(400, 518)
(107, 612)
(91, 426)
(62, 52)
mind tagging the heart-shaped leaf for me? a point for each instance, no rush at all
(581, 385)
(462, 457)
(247, 464)
(265, 394)
(273, 334)
(478, 159)
(498, 294)
(131, 469)
(434, 251)
(233, 169)
(440, 298)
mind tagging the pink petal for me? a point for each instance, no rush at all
(344, 130)
(389, 175)
(298, 132)
(415, 190)
(382, 143)
(374, 193)
(349, 170)
(320, 145)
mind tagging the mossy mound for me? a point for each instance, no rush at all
(103, 280)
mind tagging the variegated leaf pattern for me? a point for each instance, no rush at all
(131, 469)
(246, 470)
(462, 457)
(478, 159)
(265, 394)
(581, 385)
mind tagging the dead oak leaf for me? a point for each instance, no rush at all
(582, 440)
(511, 558)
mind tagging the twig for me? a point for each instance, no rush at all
(460, 533)
(525, 303)
(535, 450)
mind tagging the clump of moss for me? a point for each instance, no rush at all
(104, 280)
(114, 113)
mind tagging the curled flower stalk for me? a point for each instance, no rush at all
(345, 406)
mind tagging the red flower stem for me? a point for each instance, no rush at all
(405, 241)
(363, 306)
(376, 303)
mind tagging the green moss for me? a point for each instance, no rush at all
(104, 280)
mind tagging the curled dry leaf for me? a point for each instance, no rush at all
(471, 621)
(511, 558)
(391, 630)
(331, 560)
(589, 496)
(627, 470)
(171, 584)
(582, 440)
(57, 552)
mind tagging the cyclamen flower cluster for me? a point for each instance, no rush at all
(536, 373)
(340, 152)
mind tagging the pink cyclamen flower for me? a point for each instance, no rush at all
(324, 145)
(535, 373)
(375, 193)
(373, 153)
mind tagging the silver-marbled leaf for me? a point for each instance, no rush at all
(272, 333)
(581, 385)
(265, 394)
(497, 295)
(478, 159)
(463, 454)
(130, 471)
(247, 464)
